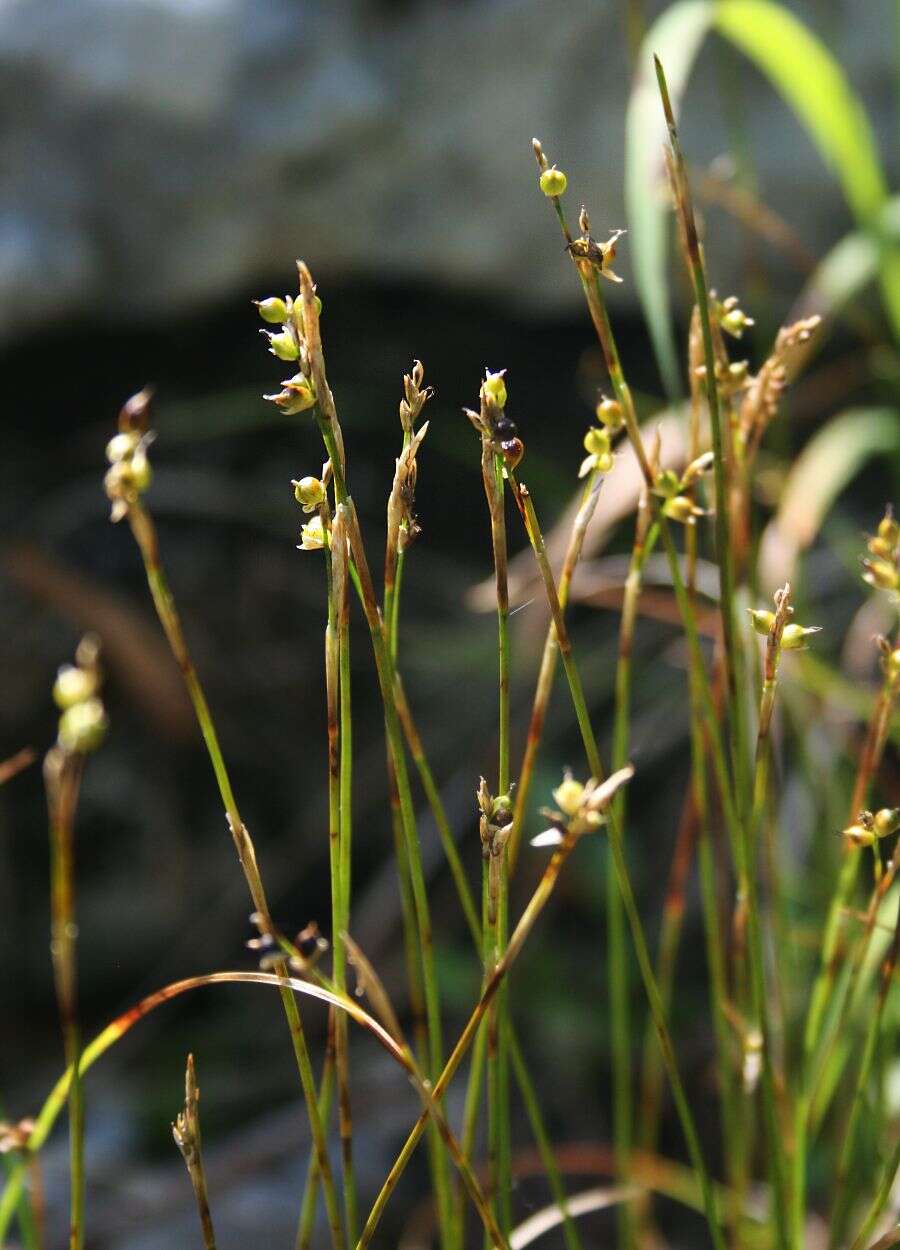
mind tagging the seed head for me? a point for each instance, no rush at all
(272, 309)
(609, 412)
(553, 182)
(309, 492)
(82, 726)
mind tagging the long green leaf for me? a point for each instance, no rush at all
(809, 79)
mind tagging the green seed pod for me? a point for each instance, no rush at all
(604, 461)
(668, 483)
(679, 508)
(309, 492)
(762, 620)
(859, 835)
(734, 322)
(886, 821)
(494, 388)
(794, 637)
(122, 445)
(73, 685)
(597, 442)
(141, 473)
(283, 345)
(889, 529)
(273, 309)
(553, 182)
(82, 726)
(609, 411)
(881, 574)
(296, 396)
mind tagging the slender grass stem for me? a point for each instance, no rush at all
(341, 862)
(547, 670)
(145, 535)
(879, 1202)
(306, 1223)
(62, 776)
(545, 1149)
(186, 1131)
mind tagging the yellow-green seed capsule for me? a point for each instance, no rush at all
(82, 726)
(141, 473)
(889, 529)
(273, 309)
(283, 345)
(794, 637)
(604, 461)
(597, 442)
(859, 835)
(668, 483)
(554, 182)
(886, 821)
(892, 664)
(735, 322)
(881, 548)
(309, 492)
(568, 796)
(680, 508)
(73, 685)
(881, 574)
(762, 621)
(609, 411)
(122, 445)
(494, 388)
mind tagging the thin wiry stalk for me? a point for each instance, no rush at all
(879, 1202)
(535, 536)
(499, 1166)
(329, 427)
(831, 957)
(145, 535)
(342, 860)
(617, 948)
(843, 1190)
(545, 1149)
(547, 671)
(62, 776)
(724, 551)
(306, 1223)
(186, 1131)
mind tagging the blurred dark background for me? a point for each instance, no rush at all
(163, 164)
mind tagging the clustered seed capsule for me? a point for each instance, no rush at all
(82, 725)
(609, 413)
(129, 473)
(309, 492)
(882, 565)
(600, 458)
(733, 319)
(297, 394)
(871, 826)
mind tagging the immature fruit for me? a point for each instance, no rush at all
(82, 726)
(494, 388)
(73, 685)
(553, 182)
(273, 310)
(309, 492)
(609, 411)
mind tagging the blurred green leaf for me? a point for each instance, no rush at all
(675, 37)
(812, 82)
(828, 462)
(807, 77)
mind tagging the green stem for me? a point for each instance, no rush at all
(306, 1223)
(545, 1149)
(879, 1202)
(547, 671)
